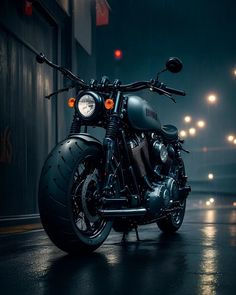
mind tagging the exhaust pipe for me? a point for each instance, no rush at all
(123, 212)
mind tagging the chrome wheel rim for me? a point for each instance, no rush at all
(85, 195)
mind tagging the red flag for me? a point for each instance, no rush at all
(102, 12)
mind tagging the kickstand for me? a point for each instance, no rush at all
(123, 241)
(137, 235)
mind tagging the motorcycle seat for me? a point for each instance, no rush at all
(170, 133)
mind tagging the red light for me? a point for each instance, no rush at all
(118, 54)
(28, 7)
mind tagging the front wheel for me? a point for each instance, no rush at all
(69, 190)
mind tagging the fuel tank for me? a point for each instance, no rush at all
(141, 115)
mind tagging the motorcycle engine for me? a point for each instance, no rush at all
(140, 154)
(164, 193)
(161, 156)
(154, 158)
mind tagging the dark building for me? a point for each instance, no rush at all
(30, 125)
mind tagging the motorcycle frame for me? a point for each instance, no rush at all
(111, 149)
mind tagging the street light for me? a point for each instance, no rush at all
(212, 99)
(210, 176)
(192, 131)
(201, 124)
(235, 141)
(212, 200)
(187, 119)
(118, 54)
(230, 138)
(183, 133)
(208, 203)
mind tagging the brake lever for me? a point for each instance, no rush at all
(162, 92)
(59, 91)
(172, 98)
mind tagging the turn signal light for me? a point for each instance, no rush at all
(71, 102)
(109, 104)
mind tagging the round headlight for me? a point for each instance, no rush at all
(86, 105)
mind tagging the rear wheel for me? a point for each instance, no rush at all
(175, 219)
(69, 191)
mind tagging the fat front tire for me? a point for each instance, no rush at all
(69, 188)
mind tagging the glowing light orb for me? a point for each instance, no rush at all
(183, 133)
(201, 124)
(230, 138)
(212, 98)
(187, 119)
(210, 176)
(192, 131)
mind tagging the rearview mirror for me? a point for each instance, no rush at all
(174, 65)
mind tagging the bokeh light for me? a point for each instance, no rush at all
(212, 99)
(201, 124)
(230, 137)
(210, 176)
(183, 133)
(118, 54)
(187, 119)
(192, 131)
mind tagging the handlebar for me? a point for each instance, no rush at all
(40, 58)
(173, 91)
(153, 85)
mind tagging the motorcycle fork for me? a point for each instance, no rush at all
(110, 145)
(109, 142)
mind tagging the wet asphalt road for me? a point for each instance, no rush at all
(199, 259)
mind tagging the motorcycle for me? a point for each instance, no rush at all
(136, 176)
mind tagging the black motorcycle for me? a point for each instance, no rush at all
(135, 176)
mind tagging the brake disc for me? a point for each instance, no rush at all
(88, 196)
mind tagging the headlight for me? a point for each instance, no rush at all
(86, 105)
(89, 106)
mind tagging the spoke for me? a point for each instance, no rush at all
(85, 185)
(87, 222)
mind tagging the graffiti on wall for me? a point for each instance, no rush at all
(5, 146)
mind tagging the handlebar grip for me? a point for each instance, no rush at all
(40, 58)
(175, 91)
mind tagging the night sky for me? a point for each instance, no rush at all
(202, 34)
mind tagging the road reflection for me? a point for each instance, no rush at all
(209, 258)
(232, 229)
(133, 268)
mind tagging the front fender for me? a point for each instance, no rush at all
(86, 137)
